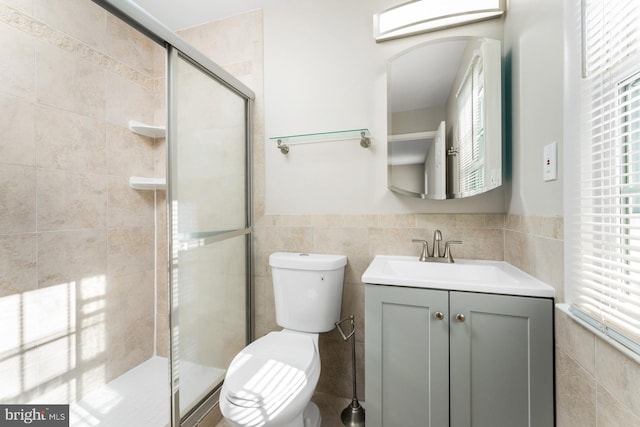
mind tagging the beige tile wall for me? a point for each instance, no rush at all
(80, 239)
(360, 238)
(596, 385)
(535, 244)
(77, 244)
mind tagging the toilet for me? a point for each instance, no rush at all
(271, 381)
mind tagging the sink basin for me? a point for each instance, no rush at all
(496, 277)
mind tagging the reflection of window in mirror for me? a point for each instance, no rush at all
(456, 83)
(470, 134)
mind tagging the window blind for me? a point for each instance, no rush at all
(470, 128)
(606, 280)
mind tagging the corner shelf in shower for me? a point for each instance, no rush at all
(143, 183)
(147, 130)
(284, 142)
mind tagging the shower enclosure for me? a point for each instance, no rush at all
(210, 228)
(125, 226)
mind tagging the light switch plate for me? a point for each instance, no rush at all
(550, 159)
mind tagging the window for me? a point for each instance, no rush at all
(604, 285)
(470, 129)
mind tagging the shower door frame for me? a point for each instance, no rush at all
(174, 55)
(138, 18)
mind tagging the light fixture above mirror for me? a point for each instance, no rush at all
(421, 16)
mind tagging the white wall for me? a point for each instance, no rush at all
(324, 72)
(534, 44)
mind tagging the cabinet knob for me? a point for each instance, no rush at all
(460, 317)
(438, 315)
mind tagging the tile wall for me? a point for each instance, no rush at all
(596, 385)
(360, 238)
(535, 244)
(77, 245)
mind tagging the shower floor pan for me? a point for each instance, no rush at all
(140, 397)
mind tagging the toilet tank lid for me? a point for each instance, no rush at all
(306, 261)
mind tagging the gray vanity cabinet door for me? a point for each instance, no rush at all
(407, 357)
(501, 356)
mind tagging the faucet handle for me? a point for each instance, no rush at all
(447, 249)
(425, 249)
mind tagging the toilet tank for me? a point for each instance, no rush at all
(307, 290)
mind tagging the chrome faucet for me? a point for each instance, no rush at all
(434, 255)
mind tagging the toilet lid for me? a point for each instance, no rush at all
(272, 370)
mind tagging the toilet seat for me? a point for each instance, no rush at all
(272, 379)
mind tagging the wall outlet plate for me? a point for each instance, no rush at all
(550, 162)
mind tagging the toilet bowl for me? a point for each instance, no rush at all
(271, 381)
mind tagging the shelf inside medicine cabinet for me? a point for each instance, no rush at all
(143, 183)
(417, 136)
(147, 130)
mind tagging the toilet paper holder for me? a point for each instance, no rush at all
(352, 415)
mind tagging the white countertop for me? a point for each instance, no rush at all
(494, 277)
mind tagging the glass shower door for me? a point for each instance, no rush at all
(209, 228)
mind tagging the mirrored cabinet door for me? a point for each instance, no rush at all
(445, 119)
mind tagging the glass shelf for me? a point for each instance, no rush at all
(284, 142)
(341, 135)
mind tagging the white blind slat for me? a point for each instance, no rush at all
(607, 285)
(470, 129)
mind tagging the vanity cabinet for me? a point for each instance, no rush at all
(441, 358)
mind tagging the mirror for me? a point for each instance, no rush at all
(444, 110)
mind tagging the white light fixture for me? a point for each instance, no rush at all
(421, 16)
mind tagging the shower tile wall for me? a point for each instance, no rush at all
(77, 254)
